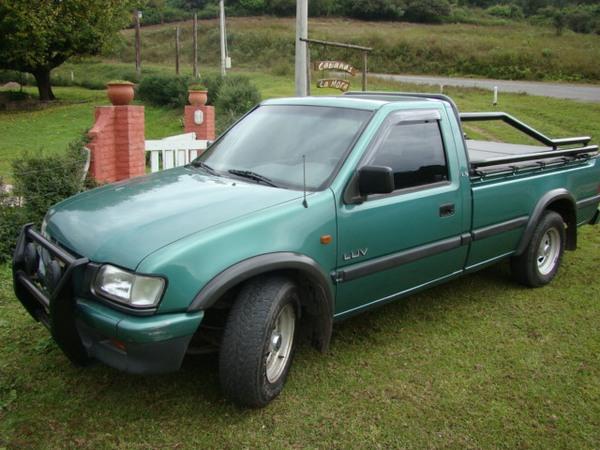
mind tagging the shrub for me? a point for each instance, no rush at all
(281, 7)
(580, 19)
(510, 11)
(325, 8)
(11, 75)
(41, 181)
(167, 14)
(210, 11)
(11, 219)
(374, 9)
(427, 11)
(252, 6)
(236, 96)
(213, 85)
(95, 85)
(162, 90)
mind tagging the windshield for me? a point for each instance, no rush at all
(272, 140)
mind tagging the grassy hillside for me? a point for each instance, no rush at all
(513, 51)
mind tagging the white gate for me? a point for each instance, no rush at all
(174, 151)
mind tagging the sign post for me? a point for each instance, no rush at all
(338, 66)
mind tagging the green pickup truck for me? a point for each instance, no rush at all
(305, 212)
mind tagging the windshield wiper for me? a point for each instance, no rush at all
(252, 176)
(204, 166)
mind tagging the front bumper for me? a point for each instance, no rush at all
(85, 329)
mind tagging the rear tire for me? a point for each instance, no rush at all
(540, 261)
(259, 341)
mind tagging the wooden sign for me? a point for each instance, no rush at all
(334, 83)
(335, 65)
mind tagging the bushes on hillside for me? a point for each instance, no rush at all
(427, 11)
(506, 11)
(580, 18)
(162, 90)
(374, 9)
(579, 15)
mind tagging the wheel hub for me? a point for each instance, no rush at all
(548, 251)
(280, 343)
(275, 342)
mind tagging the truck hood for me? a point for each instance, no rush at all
(124, 222)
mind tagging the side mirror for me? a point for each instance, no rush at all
(375, 180)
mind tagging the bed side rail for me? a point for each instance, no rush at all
(523, 127)
(579, 152)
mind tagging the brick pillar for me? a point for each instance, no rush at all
(117, 143)
(204, 130)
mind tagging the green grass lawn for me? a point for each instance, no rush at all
(477, 363)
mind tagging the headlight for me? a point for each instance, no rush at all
(139, 291)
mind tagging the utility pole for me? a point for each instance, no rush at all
(138, 50)
(195, 38)
(301, 47)
(177, 50)
(222, 30)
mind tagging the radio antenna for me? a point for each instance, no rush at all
(304, 202)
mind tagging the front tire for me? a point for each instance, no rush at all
(540, 261)
(259, 341)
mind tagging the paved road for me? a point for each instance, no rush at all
(579, 92)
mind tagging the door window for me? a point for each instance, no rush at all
(415, 152)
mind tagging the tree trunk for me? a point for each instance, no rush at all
(42, 78)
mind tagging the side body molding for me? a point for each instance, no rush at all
(547, 199)
(323, 305)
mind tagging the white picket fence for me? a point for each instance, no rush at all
(174, 151)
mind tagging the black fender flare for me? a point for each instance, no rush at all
(547, 199)
(270, 262)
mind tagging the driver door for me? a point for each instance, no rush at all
(392, 244)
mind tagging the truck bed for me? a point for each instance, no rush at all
(484, 151)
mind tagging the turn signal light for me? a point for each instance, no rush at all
(326, 239)
(118, 344)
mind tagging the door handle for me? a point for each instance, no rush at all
(447, 209)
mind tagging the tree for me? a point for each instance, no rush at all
(39, 35)
(559, 20)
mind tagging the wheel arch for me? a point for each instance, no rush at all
(560, 201)
(318, 298)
